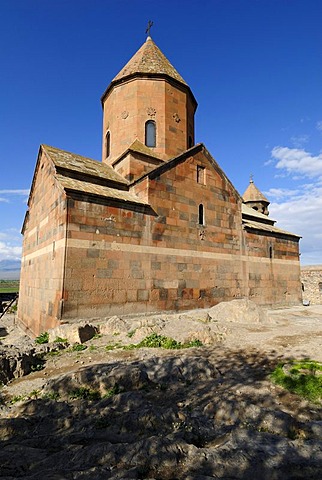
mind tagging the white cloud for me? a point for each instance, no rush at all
(281, 193)
(23, 192)
(6, 194)
(297, 161)
(10, 244)
(9, 252)
(298, 209)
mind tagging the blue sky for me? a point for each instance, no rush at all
(254, 66)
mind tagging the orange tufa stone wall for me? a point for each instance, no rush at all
(128, 106)
(41, 281)
(124, 260)
(271, 269)
(85, 258)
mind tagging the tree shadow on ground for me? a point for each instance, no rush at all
(194, 414)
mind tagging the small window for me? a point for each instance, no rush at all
(320, 286)
(107, 144)
(201, 215)
(150, 133)
(270, 251)
(201, 174)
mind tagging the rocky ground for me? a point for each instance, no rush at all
(198, 413)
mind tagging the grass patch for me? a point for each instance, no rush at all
(51, 396)
(42, 338)
(160, 341)
(60, 340)
(113, 346)
(113, 391)
(303, 377)
(9, 286)
(78, 347)
(17, 398)
(85, 393)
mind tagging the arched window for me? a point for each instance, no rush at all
(150, 133)
(107, 144)
(201, 215)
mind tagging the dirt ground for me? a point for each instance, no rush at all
(194, 414)
(286, 333)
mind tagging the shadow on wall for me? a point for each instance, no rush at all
(204, 413)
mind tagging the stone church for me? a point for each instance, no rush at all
(156, 225)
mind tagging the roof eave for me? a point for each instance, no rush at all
(164, 76)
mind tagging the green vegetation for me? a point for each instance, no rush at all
(113, 391)
(17, 398)
(51, 396)
(303, 377)
(78, 347)
(160, 341)
(9, 286)
(113, 346)
(42, 338)
(60, 340)
(85, 393)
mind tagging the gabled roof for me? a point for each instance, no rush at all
(79, 186)
(253, 194)
(255, 220)
(138, 147)
(252, 214)
(83, 166)
(83, 175)
(200, 147)
(264, 227)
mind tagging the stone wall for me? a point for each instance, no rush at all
(128, 106)
(41, 280)
(311, 277)
(122, 260)
(272, 269)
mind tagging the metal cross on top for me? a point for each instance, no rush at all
(150, 24)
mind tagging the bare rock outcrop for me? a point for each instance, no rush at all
(237, 311)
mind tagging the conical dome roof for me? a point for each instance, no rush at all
(252, 194)
(150, 60)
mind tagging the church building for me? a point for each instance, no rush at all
(156, 225)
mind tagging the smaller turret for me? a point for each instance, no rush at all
(254, 198)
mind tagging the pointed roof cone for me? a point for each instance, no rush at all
(148, 61)
(252, 194)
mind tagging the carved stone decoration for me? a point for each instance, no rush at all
(151, 111)
(176, 117)
(124, 114)
(202, 234)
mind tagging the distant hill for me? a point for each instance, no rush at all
(10, 269)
